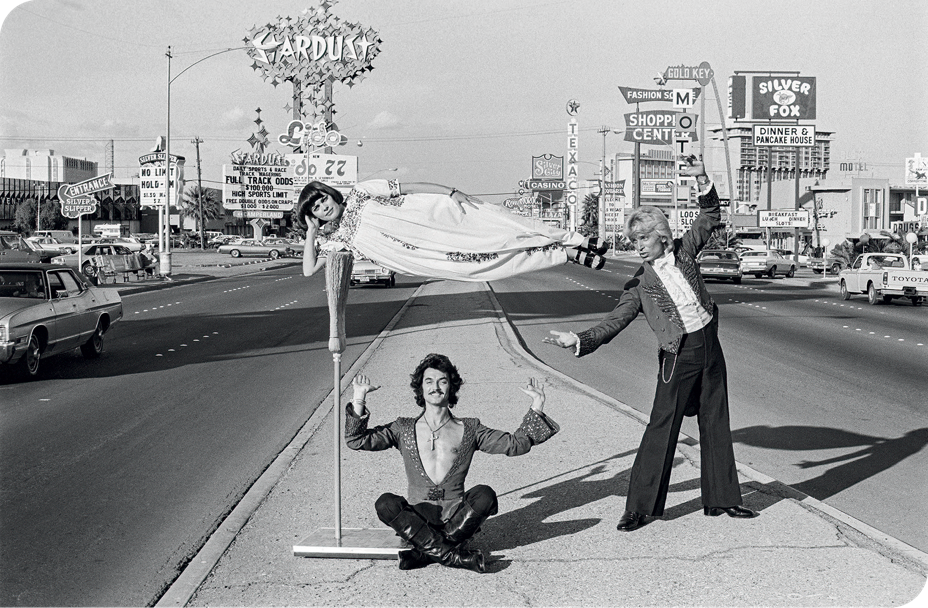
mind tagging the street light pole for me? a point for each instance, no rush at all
(165, 258)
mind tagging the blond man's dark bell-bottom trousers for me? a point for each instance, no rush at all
(693, 380)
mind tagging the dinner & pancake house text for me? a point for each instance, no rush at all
(784, 135)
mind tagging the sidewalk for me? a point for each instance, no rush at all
(554, 542)
(194, 265)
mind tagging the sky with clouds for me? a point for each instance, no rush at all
(462, 93)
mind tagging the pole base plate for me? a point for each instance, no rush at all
(355, 543)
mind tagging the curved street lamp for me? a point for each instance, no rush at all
(164, 221)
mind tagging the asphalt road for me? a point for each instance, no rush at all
(113, 472)
(826, 395)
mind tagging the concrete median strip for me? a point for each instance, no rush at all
(427, 321)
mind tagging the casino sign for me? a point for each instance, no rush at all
(313, 48)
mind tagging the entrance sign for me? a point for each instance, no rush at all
(784, 135)
(73, 197)
(783, 219)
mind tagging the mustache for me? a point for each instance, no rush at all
(436, 391)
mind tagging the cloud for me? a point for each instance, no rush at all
(384, 120)
(234, 118)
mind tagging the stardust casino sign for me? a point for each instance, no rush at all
(313, 48)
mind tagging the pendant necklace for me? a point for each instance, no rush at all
(435, 431)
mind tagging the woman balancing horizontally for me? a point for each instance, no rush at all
(429, 230)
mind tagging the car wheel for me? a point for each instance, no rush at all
(817, 271)
(235, 253)
(737, 280)
(872, 298)
(89, 270)
(835, 268)
(917, 301)
(351, 283)
(758, 275)
(32, 358)
(274, 254)
(791, 273)
(92, 348)
(392, 281)
(845, 294)
(772, 272)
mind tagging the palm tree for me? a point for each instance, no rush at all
(589, 220)
(190, 206)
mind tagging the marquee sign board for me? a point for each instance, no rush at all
(336, 170)
(257, 189)
(798, 218)
(152, 175)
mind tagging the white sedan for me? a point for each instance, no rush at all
(770, 263)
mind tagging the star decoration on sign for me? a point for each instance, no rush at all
(572, 107)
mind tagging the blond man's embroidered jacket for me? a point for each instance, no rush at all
(646, 293)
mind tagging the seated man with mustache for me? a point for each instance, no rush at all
(437, 449)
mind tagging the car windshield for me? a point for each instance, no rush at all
(22, 284)
(718, 255)
(13, 241)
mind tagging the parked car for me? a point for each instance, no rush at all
(719, 264)
(770, 263)
(129, 242)
(14, 248)
(224, 239)
(292, 247)
(62, 236)
(50, 245)
(364, 272)
(92, 257)
(834, 265)
(253, 247)
(786, 253)
(884, 276)
(46, 309)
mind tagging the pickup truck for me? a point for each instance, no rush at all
(884, 276)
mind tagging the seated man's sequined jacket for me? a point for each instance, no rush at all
(536, 428)
(646, 293)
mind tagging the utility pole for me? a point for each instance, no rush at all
(197, 141)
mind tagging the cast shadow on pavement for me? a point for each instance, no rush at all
(526, 525)
(872, 456)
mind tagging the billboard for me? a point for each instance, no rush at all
(775, 98)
